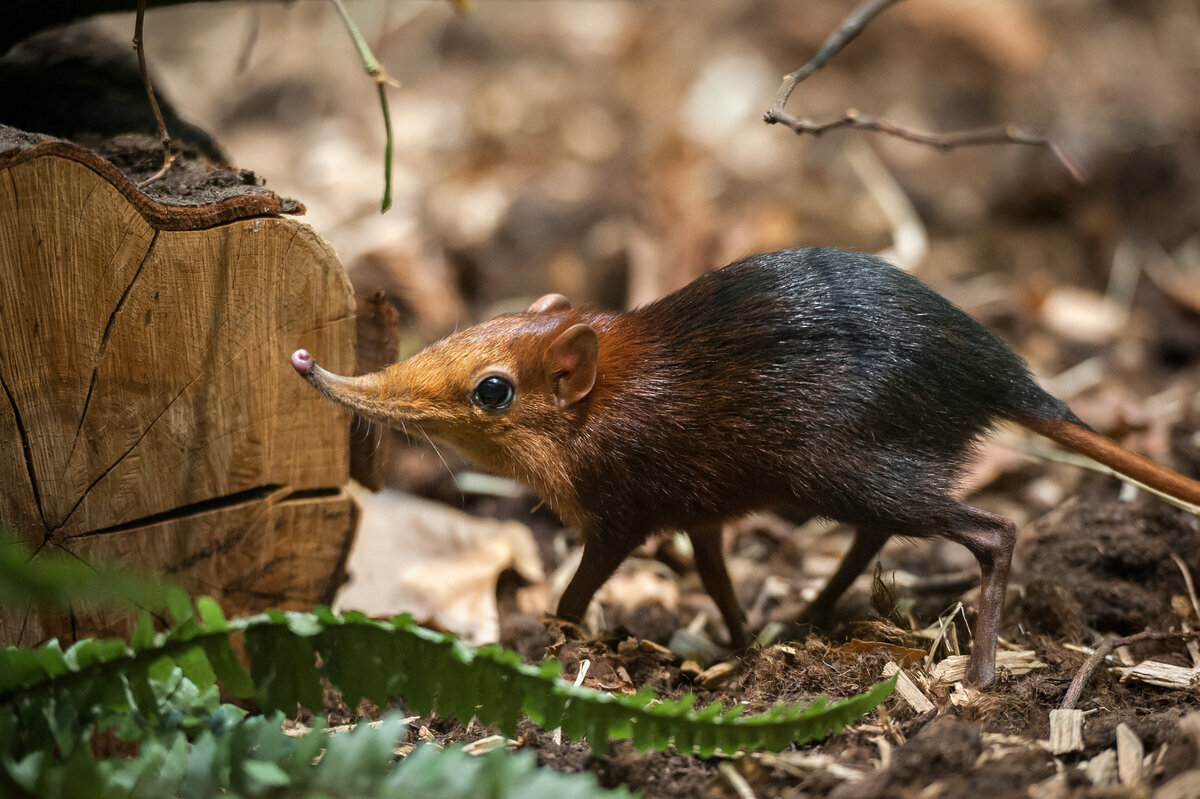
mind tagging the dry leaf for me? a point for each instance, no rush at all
(1082, 315)
(434, 562)
(905, 656)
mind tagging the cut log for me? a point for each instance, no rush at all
(149, 414)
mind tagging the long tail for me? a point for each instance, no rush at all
(1132, 465)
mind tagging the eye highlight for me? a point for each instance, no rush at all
(493, 393)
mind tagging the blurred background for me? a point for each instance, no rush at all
(612, 151)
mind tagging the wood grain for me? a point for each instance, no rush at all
(148, 410)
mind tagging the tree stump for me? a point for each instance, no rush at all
(149, 414)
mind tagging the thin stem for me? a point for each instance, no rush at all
(380, 76)
(163, 135)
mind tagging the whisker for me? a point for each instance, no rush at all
(379, 439)
(449, 471)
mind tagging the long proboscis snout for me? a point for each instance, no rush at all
(361, 394)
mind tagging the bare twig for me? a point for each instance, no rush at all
(138, 46)
(850, 28)
(382, 81)
(1104, 650)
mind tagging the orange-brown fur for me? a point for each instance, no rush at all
(823, 379)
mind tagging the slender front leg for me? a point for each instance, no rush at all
(867, 543)
(710, 563)
(601, 557)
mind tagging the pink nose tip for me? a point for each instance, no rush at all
(302, 361)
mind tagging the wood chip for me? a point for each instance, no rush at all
(1101, 769)
(1130, 753)
(690, 668)
(1189, 725)
(885, 751)
(1066, 731)
(908, 690)
(998, 747)
(484, 745)
(717, 674)
(1164, 675)
(952, 669)
(803, 763)
(962, 696)
(655, 648)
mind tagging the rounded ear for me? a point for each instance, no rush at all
(571, 360)
(550, 302)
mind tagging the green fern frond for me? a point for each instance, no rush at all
(161, 690)
(372, 659)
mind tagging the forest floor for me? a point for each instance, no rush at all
(612, 151)
(1097, 562)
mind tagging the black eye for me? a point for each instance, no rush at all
(494, 393)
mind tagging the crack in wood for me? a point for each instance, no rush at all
(226, 542)
(264, 597)
(159, 617)
(12, 183)
(185, 511)
(117, 462)
(258, 575)
(100, 350)
(287, 248)
(203, 409)
(312, 493)
(27, 449)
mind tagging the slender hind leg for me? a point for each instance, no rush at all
(710, 563)
(866, 545)
(990, 538)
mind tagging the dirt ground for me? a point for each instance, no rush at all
(1098, 565)
(612, 151)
